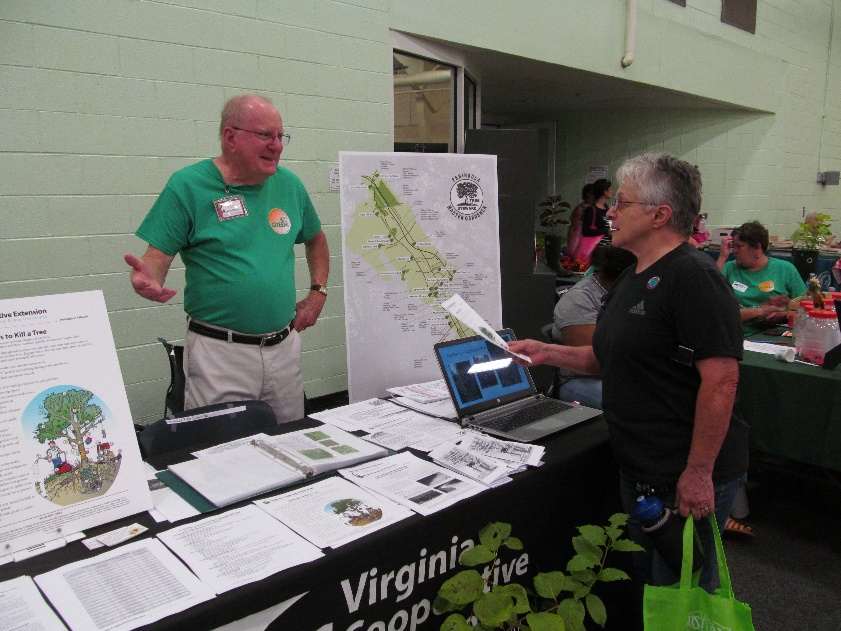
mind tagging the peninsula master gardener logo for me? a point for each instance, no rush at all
(466, 197)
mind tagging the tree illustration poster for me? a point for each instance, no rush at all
(69, 459)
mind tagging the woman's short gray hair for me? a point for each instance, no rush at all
(665, 179)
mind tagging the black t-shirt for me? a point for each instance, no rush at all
(650, 385)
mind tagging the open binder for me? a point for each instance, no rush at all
(247, 467)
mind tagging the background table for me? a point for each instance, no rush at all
(577, 485)
(794, 410)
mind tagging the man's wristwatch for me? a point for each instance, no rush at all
(319, 288)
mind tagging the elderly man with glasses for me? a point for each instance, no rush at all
(667, 345)
(234, 220)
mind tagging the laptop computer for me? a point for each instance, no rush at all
(499, 398)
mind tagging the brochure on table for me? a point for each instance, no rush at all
(70, 459)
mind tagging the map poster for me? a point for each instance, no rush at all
(69, 459)
(416, 229)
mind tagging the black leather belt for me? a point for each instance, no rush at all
(240, 338)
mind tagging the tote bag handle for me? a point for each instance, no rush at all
(726, 590)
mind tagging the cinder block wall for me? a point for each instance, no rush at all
(103, 99)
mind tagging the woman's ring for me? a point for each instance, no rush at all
(705, 510)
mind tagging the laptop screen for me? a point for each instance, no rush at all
(476, 390)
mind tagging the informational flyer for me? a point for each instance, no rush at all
(69, 459)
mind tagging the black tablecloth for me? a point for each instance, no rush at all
(576, 485)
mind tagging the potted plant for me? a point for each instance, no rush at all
(813, 234)
(557, 600)
(551, 218)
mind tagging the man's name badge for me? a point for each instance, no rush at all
(230, 207)
(740, 287)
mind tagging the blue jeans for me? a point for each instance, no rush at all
(586, 390)
(650, 564)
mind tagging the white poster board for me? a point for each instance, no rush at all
(416, 228)
(69, 458)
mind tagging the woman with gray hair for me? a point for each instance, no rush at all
(667, 345)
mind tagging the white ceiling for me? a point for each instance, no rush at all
(528, 90)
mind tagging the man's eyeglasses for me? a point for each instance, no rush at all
(267, 136)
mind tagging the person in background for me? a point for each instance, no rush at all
(575, 218)
(234, 220)
(669, 369)
(763, 285)
(594, 226)
(575, 319)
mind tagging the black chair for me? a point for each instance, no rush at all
(174, 400)
(212, 423)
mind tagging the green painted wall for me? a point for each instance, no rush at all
(103, 99)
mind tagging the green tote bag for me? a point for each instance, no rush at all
(684, 607)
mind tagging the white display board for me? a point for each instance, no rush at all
(69, 459)
(416, 228)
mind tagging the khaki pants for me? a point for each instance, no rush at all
(218, 371)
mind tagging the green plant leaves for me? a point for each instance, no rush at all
(595, 607)
(493, 608)
(549, 584)
(545, 622)
(612, 574)
(477, 555)
(456, 622)
(504, 605)
(463, 588)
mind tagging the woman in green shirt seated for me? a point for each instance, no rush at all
(763, 285)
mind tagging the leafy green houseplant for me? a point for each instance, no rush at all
(558, 602)
(814, 234)
(551, 218)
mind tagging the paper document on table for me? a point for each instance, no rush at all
(769, 348)
(428, 392)
(333, 512)
(456, 306)
(439, 409)
(473, 465)
(356, 416)
(423, 486)
(415, 430)
(25, 609)
(122, 589)
(238, 547)
(509, 450)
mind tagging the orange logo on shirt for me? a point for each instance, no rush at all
(767, 286)
(279, 221)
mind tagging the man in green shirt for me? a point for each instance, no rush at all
(234, 220)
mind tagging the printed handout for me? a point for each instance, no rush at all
(473, 465)
(332, 512)
(357, 416)
(508, 450)
(70, 458)
(423, 486)
(24, 609)
(456, 306)
(122, 589)
(428, 392)
(238, 547)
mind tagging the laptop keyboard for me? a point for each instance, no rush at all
(507, 422)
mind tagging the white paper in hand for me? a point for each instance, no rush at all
(456, 306)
